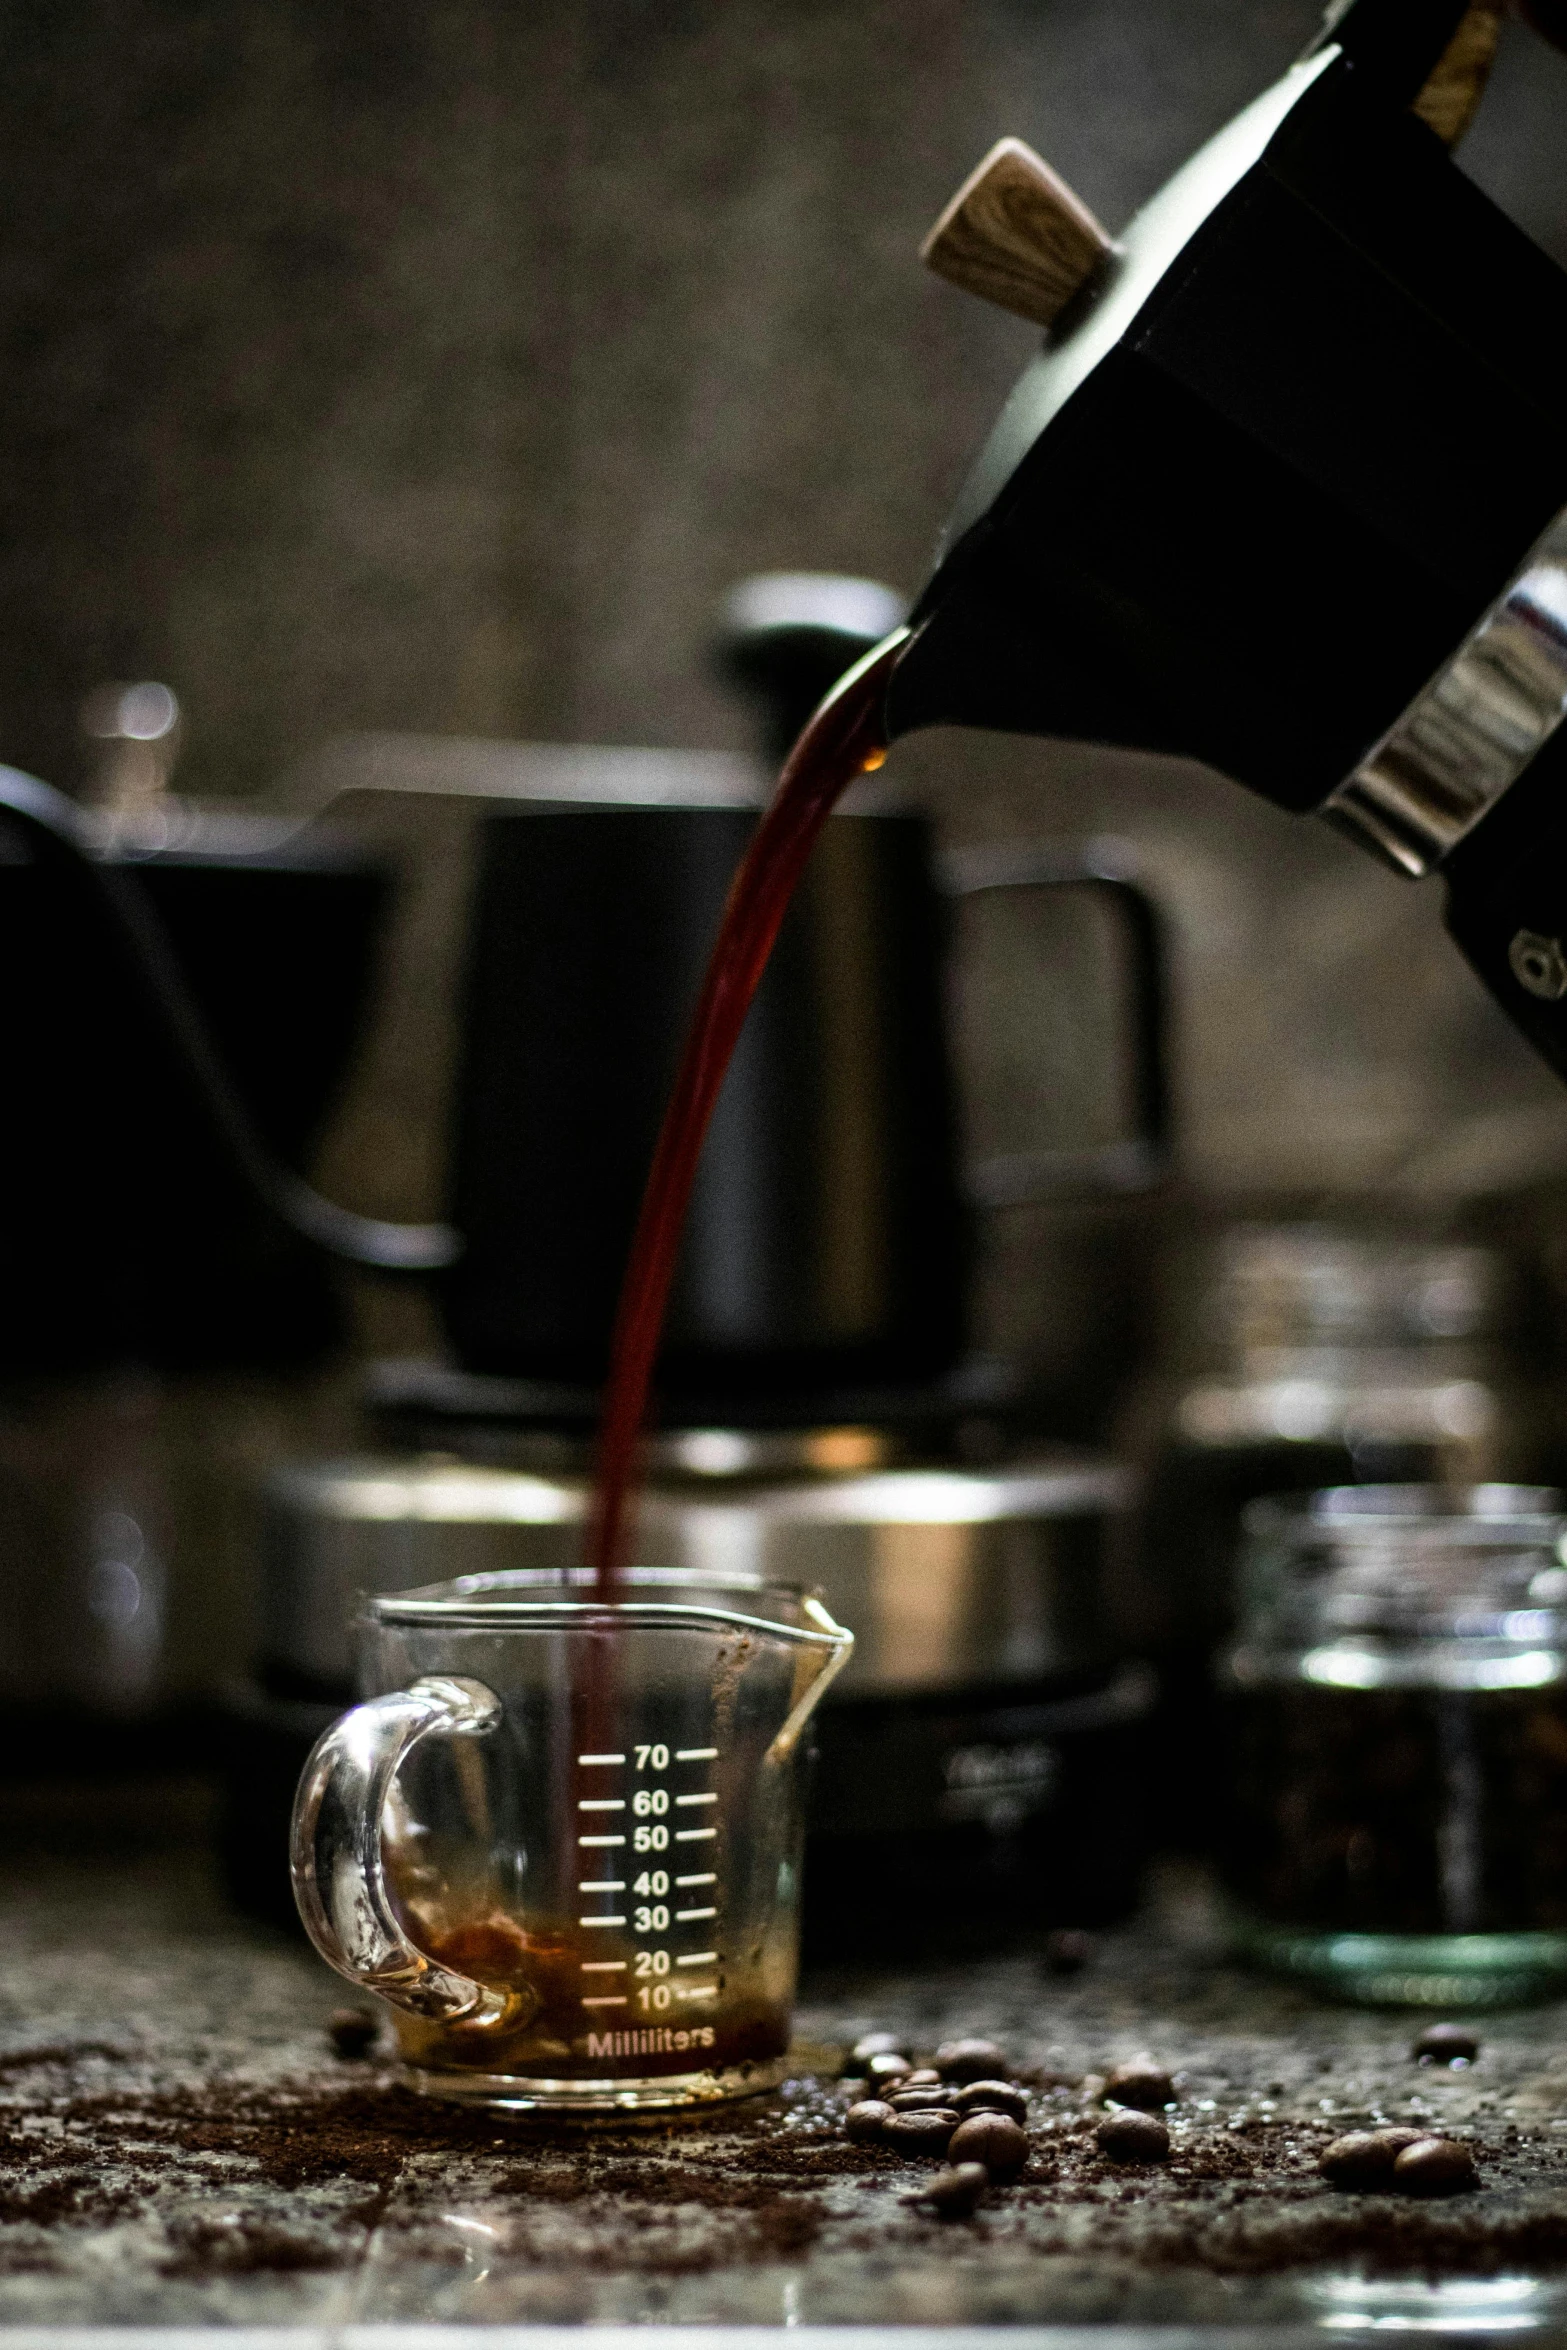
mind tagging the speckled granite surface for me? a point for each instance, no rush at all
(177, 2144)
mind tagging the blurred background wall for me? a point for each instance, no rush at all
(435, 367)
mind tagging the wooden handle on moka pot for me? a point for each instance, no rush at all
(1448, 101)
(1017, 235)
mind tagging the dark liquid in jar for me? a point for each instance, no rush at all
(1400, 1811)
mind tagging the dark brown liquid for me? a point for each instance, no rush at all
(846, 738)
(1401, 1811)
(550, 2032)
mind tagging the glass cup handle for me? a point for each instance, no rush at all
(337, 1856)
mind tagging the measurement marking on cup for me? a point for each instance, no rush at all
(620, 2002)
(601, 1803)
(602, 1966)
(696, 1835)
(688, 1917)
(601, 1841)
(696, 1754)
(602, 1885)
(591, 1761)
(699, 1958)
(696, 1990)
(709, 1879)
(689, 1799)
(601, 1921)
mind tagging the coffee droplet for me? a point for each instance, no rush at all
(1363, 2159)
(927, 2132)
(353, 2031)
(1141, 2083)
(994, 2139)
(956, 2193)
(1446, 2044)
(866, 2121)
(1130, 2136)
(1434, 2166)
(1067, 1952)
(969, 2060)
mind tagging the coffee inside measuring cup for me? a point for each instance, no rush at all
(619, 1858)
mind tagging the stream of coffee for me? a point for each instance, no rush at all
(846, 738)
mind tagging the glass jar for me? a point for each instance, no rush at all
(1397, 1695)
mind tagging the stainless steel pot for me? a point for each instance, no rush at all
(985, 1737)
(950, 1578)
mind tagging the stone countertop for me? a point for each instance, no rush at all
(181, 2147)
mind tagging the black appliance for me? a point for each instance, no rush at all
(1283, 491)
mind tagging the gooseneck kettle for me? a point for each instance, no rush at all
(1286, 488)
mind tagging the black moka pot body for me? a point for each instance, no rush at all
(1282, 454)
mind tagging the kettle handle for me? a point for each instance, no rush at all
(1139, 1161)
(55, 829)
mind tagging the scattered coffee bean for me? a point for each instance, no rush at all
(1067, 1952)
(866, 2121)
(1446, 2044)
(969, 2060)
(994, 2139)
(1434, 2166)
(956, 2193)
(885, 2069)
(353, 2031)
(993, 2097)
(1141, 2083)
(874, 2044)
(927, 2132)
(1364, 2158)
(1130, 2136)
(903, 2099)
(924, 2076)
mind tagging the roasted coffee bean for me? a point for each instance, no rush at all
(1068, 1952)
(883, 2071)
(1365, 2158)
(1446, 2044)
(866, 2121)
(926, 2132)
(957, 2193)
(1141, 2083)
(353, 2031)
(903, 2099)
(993, 2097)
(994, 2139)
(969, 2060)
(876, 2044)
(1434, 2166)
(1130, 2136)
(924, 2076)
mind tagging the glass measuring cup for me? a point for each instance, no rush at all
(562, 1838)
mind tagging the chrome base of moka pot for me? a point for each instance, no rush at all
(1469, 734)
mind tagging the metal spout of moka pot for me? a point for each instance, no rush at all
(1283, 491)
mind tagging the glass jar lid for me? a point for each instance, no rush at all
(1368, 1587)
